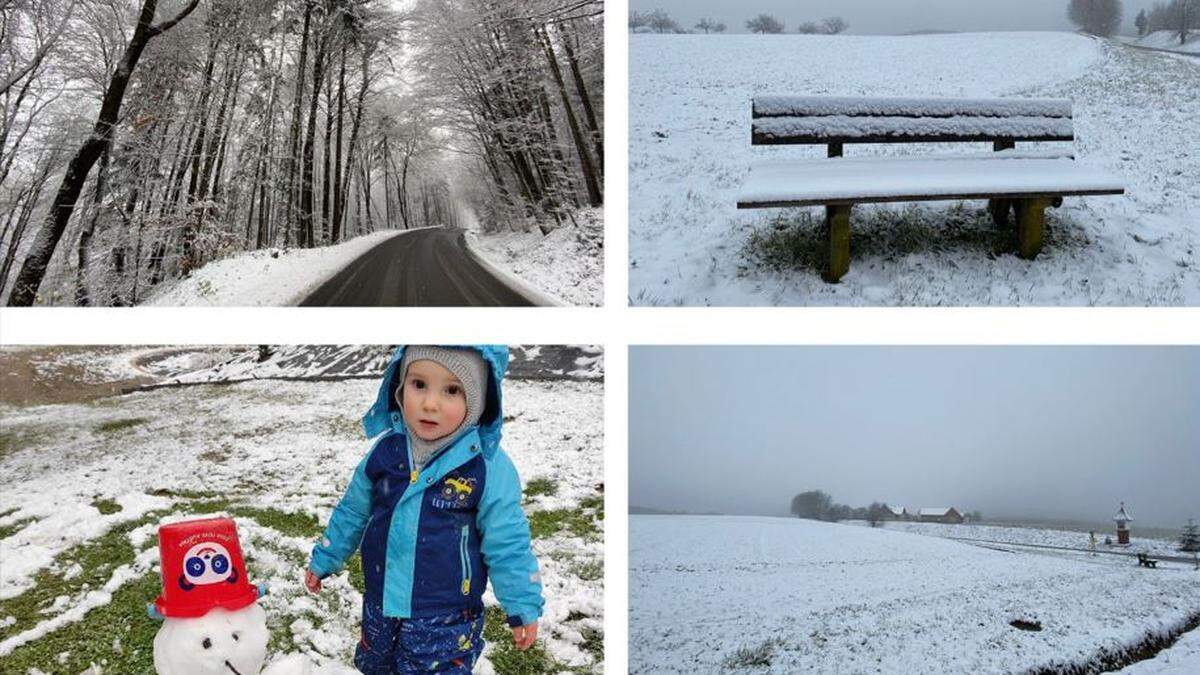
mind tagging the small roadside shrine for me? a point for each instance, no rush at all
(1122, 519)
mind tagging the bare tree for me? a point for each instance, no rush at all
(1141, 23)
(834, 25)
(29, 279)
(710, 26)
(1097, 17)
(764, 24)
(660, 22)
(808, 28)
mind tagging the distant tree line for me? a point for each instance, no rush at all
(1180, 16)
(658, 21)
(1096, 17)
(818, 505)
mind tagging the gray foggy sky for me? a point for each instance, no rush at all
(887, 16)
(1048, 432)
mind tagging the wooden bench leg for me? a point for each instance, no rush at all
(1031, 221)
(837, 237)
(999, 209)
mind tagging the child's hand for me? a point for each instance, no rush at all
(523, 636)
(311, 582)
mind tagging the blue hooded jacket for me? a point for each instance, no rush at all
(431, 538)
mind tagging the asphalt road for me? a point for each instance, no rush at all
(422, 268)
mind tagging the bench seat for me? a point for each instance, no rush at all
(822, 182)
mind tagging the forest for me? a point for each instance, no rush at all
(141, 139)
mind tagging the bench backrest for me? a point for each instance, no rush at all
(812, 120)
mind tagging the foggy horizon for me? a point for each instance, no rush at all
(888, 17)
(1015, 432)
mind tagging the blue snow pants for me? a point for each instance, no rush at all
(442, 644)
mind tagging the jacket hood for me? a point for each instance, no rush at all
(385, 415)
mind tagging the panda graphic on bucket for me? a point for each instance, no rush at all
(207, 563)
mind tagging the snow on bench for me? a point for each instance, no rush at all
(799, 120)
(777, 183)
(1026, 182)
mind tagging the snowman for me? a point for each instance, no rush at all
(212, 622)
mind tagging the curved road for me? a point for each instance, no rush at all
(421, 268)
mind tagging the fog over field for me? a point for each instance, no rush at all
(887, 16)
(1016, 432)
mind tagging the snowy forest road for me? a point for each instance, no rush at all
(422, 268)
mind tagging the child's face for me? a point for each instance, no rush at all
(433, 399)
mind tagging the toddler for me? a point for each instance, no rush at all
(436, 508)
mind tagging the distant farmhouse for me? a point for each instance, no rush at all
(940, 515)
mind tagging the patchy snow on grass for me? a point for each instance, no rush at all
(276, 456)
(1135, 115)
(790, 595)
(270, 277)
(567, 264)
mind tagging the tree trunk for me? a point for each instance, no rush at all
(294, 150)
(595, 197)
(338, 196)
(357, 121)
(589, 112)
(306, 181)
(33, 270)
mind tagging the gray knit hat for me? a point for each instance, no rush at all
(470, 369)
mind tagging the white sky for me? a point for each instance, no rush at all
(886, 16)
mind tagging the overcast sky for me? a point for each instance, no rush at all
(1012, 431)
(886, 16)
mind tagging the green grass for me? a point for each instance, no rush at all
(122, 424)
(106, 506)
(549, 523)
(91, 640)
(541, 486)
(507, 658)
(12, 528)
(97, 559)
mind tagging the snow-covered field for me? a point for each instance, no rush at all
(1033, 535)
(567, 264)
(1135, 115)
(270, 277)
(721, 593)
(84, 486)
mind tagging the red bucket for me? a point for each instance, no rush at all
(202, 568)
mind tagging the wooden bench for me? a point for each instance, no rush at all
(1021, 181)
(1146, 561)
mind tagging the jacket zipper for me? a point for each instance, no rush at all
(465, 559)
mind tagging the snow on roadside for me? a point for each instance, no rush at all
(1169, 40)
(567, 264)
(270, 277)
(820, 597)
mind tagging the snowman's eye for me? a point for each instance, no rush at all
(207, 644)
(235, 637)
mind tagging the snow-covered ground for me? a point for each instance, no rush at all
(790, 595)
(1135, 115)
(567, 264)
(80, 481)
(270, 277)
(1169, 40)
(1033, 535)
